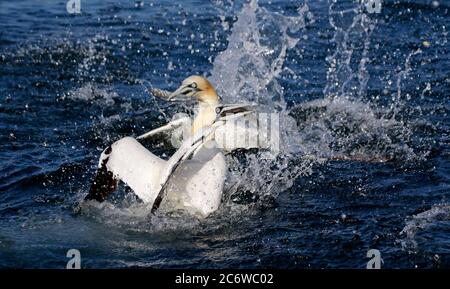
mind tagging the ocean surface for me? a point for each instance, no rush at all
(363, 96)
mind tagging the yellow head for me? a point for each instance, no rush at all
(198, 87)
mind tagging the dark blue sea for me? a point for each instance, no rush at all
(363, 98)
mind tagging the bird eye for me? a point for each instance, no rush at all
(194, 85)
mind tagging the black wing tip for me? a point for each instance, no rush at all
(103, 184)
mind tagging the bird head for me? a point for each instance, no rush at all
(196, 87)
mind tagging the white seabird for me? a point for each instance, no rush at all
(194, 184)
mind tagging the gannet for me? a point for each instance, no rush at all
(194, 184)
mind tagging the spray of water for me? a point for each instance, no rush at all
(342, 80)
(340, 126)
(248, 71)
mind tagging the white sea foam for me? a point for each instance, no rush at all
(90, 92)
(422, 222)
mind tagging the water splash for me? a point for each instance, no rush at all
(438, 216)
(249, 67)
(351, 130)
(248, 71)
(92, 93)
(397, 100)
(135, 217)
(346, 124)
(342, 81)
(342, 126)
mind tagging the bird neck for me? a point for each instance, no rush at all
(206, 115)
(208, 96)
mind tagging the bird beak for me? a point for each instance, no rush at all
(180, 93)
